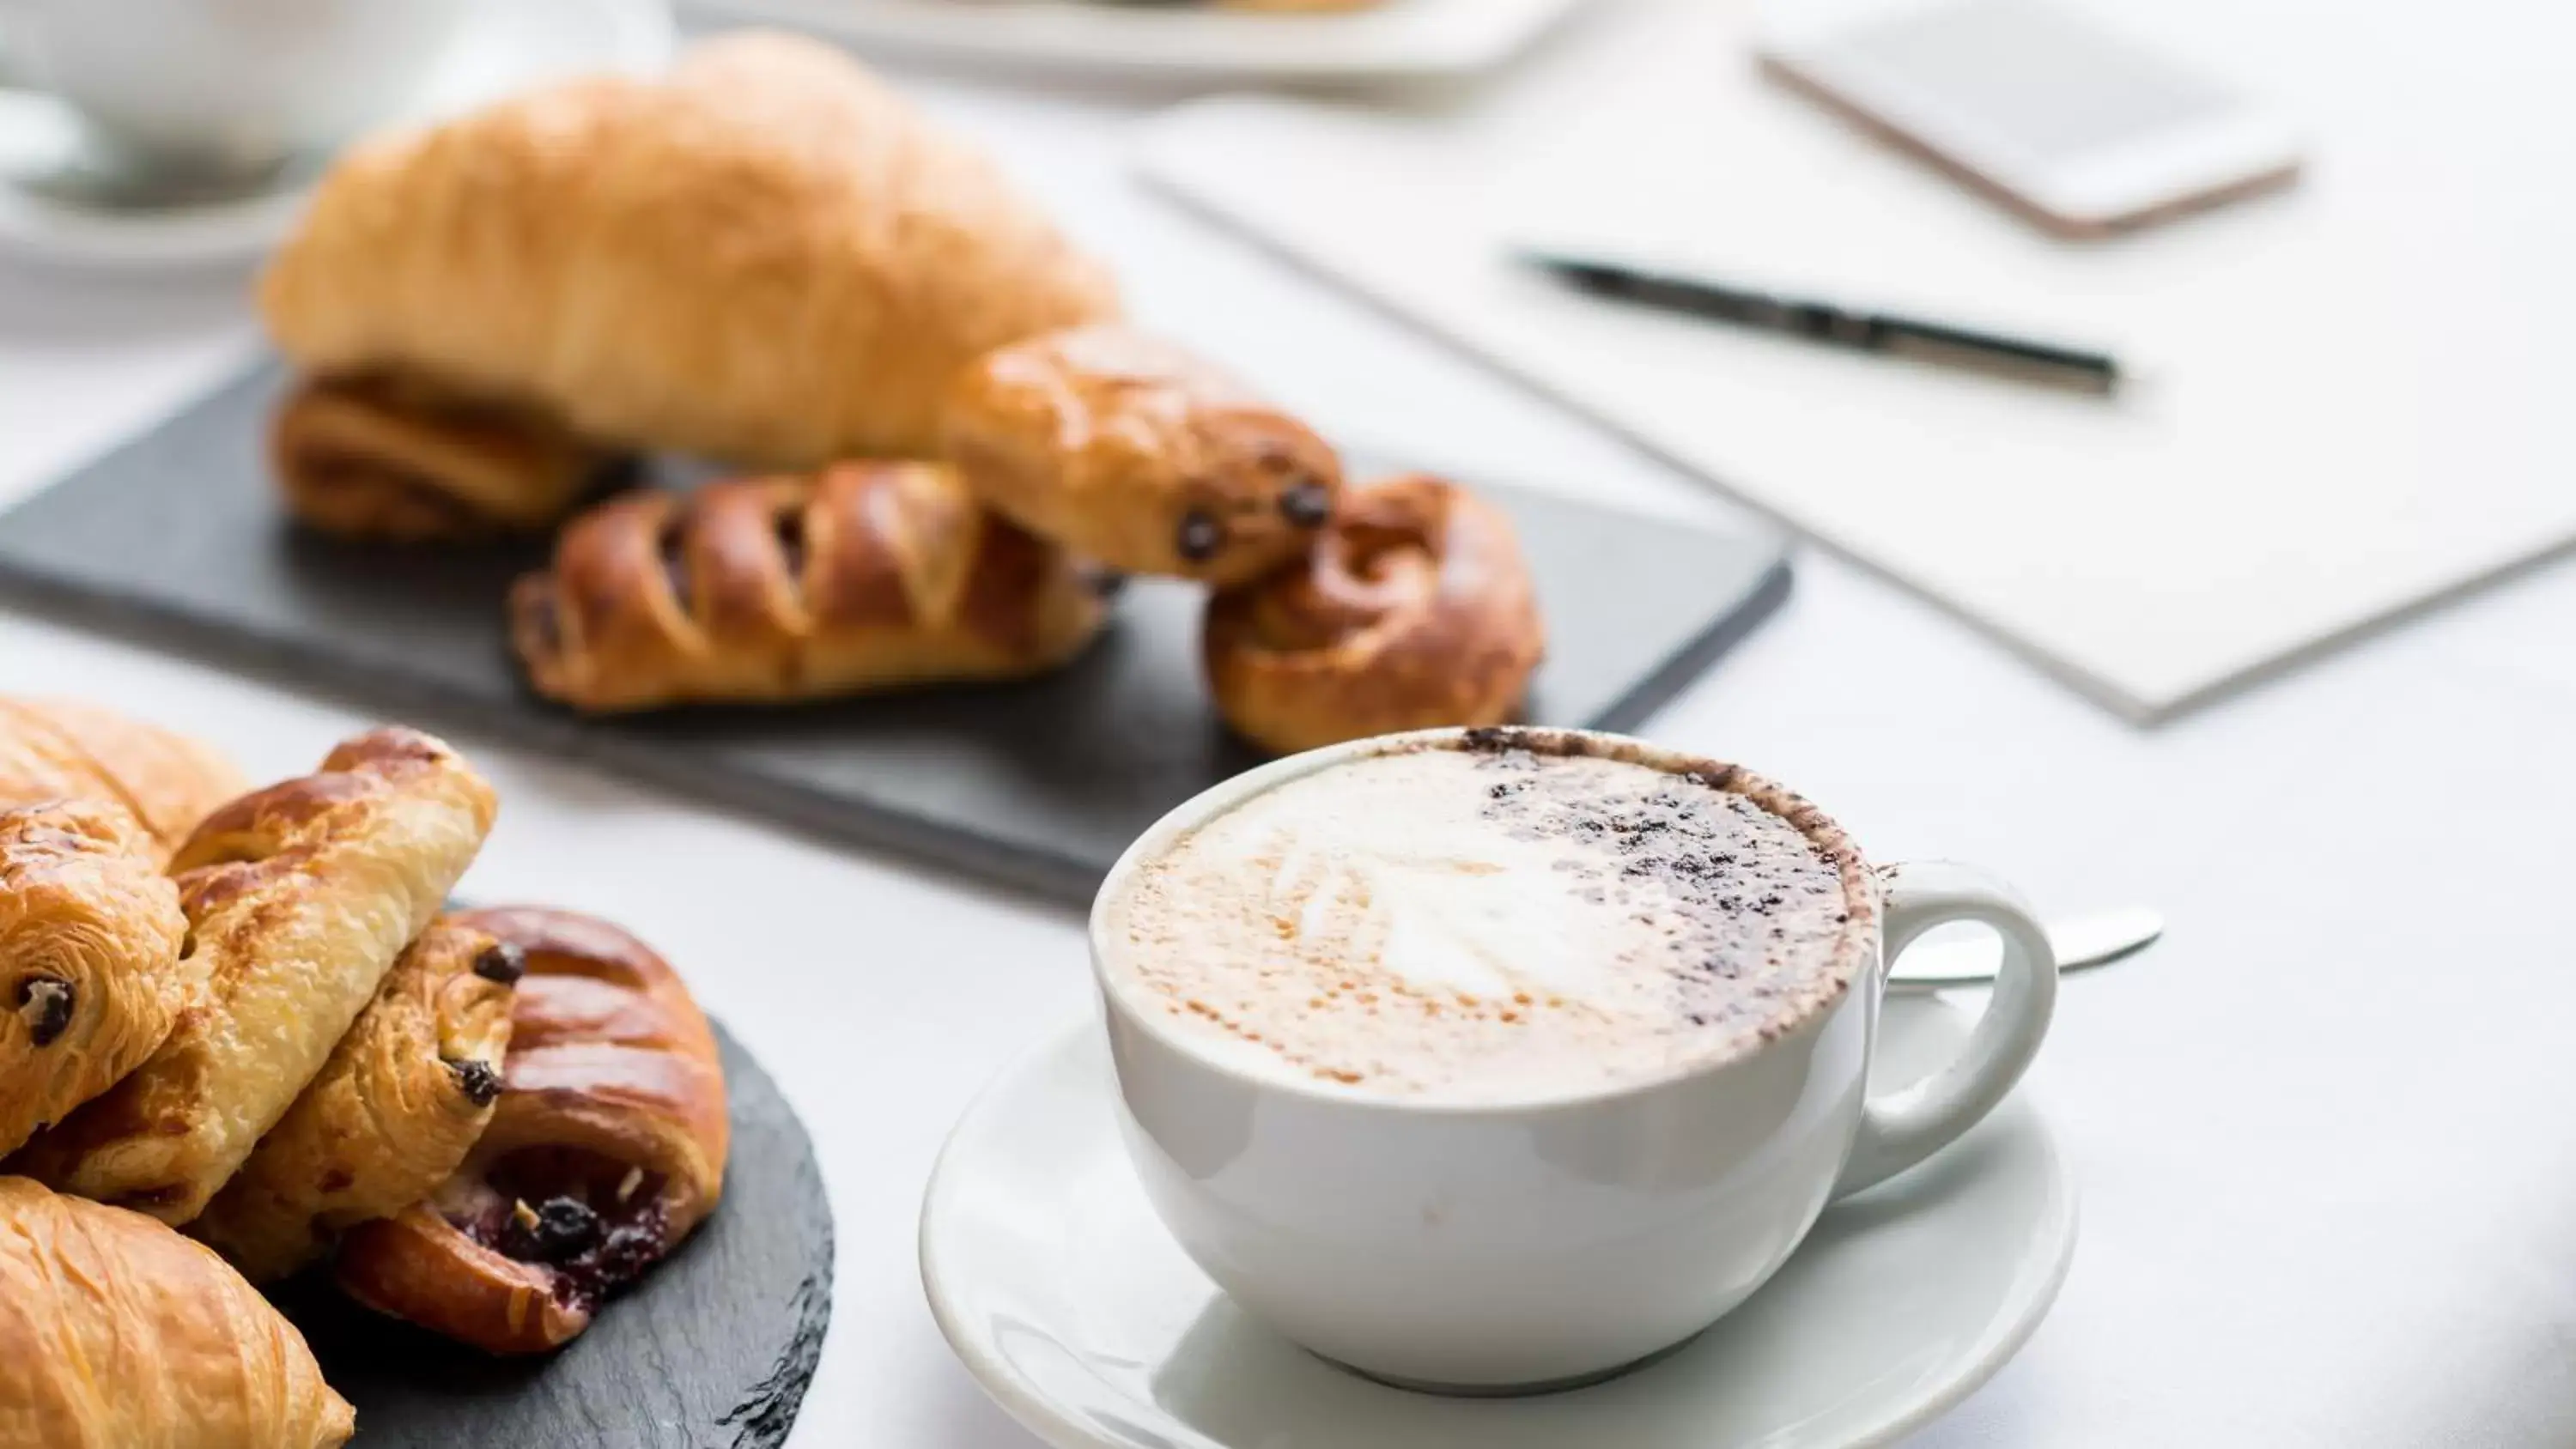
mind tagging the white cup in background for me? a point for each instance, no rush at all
(1520, 1246)
(217, 87)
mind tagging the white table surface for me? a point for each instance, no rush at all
(2329, 1190)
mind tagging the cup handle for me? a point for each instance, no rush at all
(1901, 1128)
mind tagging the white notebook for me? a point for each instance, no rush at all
(2351, 386)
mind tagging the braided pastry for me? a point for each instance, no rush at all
(381, 456)
(1414, 610)
(117, 1333)
(90, 977)
(607, 1150)
(767, 256)
(867, 576)
(1133, 452)
(405, 1095)
(298, 899)
(56, 749)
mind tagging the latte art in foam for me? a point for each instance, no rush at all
(1486, 923)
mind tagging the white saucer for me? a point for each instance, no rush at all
(501, 46)
(1064, 1296)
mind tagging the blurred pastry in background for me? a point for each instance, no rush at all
(405, 1095)
(1414, 609)
(607, 1150)
(90, 976)
(864, 576)
(387, 455)
(59, 749)
(116, 1332)
(768, 257)
(298, 899)
(1135, 452)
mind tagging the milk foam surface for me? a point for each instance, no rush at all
(1491, 925)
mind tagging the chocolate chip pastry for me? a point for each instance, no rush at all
(387, 455)
(58, 749)
(1133, 452)
(117, 1333)
(1414, 609)
(607, 1149)
(403, 1099)
(298, 899)
(90, 976)
(865, 576)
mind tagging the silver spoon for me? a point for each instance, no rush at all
(2080, 941)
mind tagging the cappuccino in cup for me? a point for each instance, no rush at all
(1493, 1061)
(1488, 923)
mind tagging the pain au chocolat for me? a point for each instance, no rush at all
(298, 898)
(90, 976)
(606, 1151)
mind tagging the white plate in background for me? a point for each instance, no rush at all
(1392, 40)
(502, 46)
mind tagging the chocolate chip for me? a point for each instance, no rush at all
(501, 962)
(565, 1229)
(790, 528)
(1200, 537)
(476, 1079)
(45, 1004)
(1307, 505)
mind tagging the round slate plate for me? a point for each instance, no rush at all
(713, 1350)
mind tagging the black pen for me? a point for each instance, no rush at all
(2019, 357)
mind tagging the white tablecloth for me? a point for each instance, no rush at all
(2322, 1132)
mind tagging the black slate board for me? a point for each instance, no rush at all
(713, 1350)
(176, 536)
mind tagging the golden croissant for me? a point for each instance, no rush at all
(59, 749)
(768, 257)
(117, 1333)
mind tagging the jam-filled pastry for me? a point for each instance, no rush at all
(1415, 609)
(404, 1097)
(90, 978)
(767, 256)
(298, 899)
(607, 1151)
(1133, 452)
(60, 749)
(117, 1333)
(384, 456)
(866, 576)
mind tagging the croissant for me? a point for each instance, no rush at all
(117, 1333)
(607, 1150)
(1415, 609)
(402, 1100)
(1131, 451)
(868, 576)
(54, 749)
(767, 256)
(388, 456)
(298, 899)
(90, 976)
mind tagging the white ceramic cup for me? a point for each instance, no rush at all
(1514, 1248)
(223, 86)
